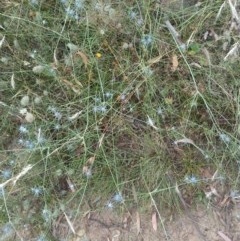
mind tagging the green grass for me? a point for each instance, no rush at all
(76, 119)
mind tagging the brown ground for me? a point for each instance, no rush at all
(202, 224)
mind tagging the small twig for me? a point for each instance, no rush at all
(175, 34)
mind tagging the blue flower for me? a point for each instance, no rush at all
(225, 138)
(99, 109)
(97, 7)
(7, 230)
(58, 115)
(21, 141)
(37, 191)
(34, 2)
(191, 179)
(64, 2)
(55, 112)
(146, 40)
(133, 15)
(147, 71)
(234, 194)
(109, 205)
(95, 109)
(52, 109)
(79, 5)
(70, 12)
(57, 127)
(23, 129)
(40, 140)
(118, 198)
(97, 99)
(1, 192)
(6, 174)
(159, 111)
(102, 108)
(29, 144)
(108, 95)
(42, 237)
(12, 162)
(46, 215)
(77, 17)
(139, 21)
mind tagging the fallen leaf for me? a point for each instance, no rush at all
(184, 141)
(223, 236)
(174, 62)
(154, 221)
(84, 57)
(13, 81)
(214, 191)
(225, 201)
(69, 223)
(71, 185)
(127, 220)
(134, 193)
(154, 60)
(74, 88)
(100, 141)
(138, 222)
(85, 169)
(73, 117)
(2, 41)
(115, 235)
(91, 160)
(55, 58)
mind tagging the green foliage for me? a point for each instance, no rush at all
(116, 105)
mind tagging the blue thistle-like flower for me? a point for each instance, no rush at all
(29, 144)
(139, 22)
(102, 108)
(7, 231)
(108, 95)
(147, 40)
(133, 15)
(1, 192)
(23, 129)
(41, 238)
(46, 215)
(58, 115)
(234, 194)
(225, 138)
(35, 3)
(57, 127)
(191, 179)
(79, 5)
(6, 174)
(37, 191)
(109, 205)
(159, 111)
(70, 12)
(118, 198)
(21, 141)
(65, 2)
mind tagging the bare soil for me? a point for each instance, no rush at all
(200, 224)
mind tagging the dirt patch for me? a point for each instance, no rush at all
(201, 224)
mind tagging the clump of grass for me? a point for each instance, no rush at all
(110, 109)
